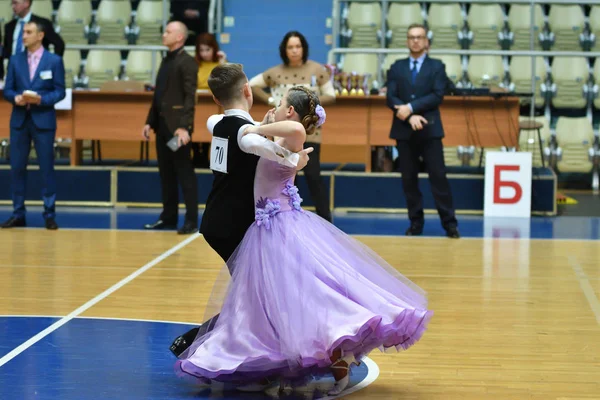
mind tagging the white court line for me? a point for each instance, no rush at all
(587, 289)
(372, 367)
(24, 346)
(159, 321)
(107, 267)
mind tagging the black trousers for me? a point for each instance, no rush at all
(224, 246)
(176, 167)
(200, 155)
(316, 187)
(432, 152)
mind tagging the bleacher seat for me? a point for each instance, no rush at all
(597, 80)
(6, 13)
(445, 21)
(102, 66)
(72, 61)
(149, 20)
(72, 17)
(43, 8)
(112, 17)
(594, 19)
(400, 17)
(454, 68)
(519, 20)
(566, 23)
(451, 157)
(485, 70)
(361, 64)
(569, 74)
(520, 75)
(139, 65)
(575, 136)
(485, 21)
(364, 20)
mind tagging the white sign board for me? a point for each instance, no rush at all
(507, 184)
(67, 102)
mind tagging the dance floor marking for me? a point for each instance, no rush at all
(59, 351)
(33, 340)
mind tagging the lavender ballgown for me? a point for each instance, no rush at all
(300, 289)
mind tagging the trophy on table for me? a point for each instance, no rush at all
(344, 80)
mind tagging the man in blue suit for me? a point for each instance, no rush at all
(35, 82)
(415, 89)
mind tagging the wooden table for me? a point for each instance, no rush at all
(354, 123)
(477, 121)
(120, 117)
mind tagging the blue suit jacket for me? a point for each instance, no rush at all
(424, 96)
(48, 82)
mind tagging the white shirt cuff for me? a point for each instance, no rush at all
(263, 147)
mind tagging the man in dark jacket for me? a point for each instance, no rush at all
(415, 90)
(172, 116)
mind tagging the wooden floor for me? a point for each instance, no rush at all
(514, 319)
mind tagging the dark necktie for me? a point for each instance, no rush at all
(414, 72)
(19, 48)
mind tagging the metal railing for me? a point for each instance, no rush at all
(533, 53)
(383, 50)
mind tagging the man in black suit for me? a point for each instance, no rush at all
(172, 116)
(415, 89)
(13, 32)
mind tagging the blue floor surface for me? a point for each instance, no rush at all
(564, 227)
(106, 359)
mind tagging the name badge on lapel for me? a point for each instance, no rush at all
(45, 75)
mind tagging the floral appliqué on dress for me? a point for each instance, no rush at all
(268, 208)
(291, 191)
(265, 209)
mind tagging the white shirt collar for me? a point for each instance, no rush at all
(26, 18)
(239, 113)
(418, 60)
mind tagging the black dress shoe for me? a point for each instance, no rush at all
(51, 224)
(160, 224)
(187, 228)
(183, 342)
(452, 233)
(14, 222)
(414, 230)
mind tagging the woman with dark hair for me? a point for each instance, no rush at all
(295, 70)
(208, 56)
